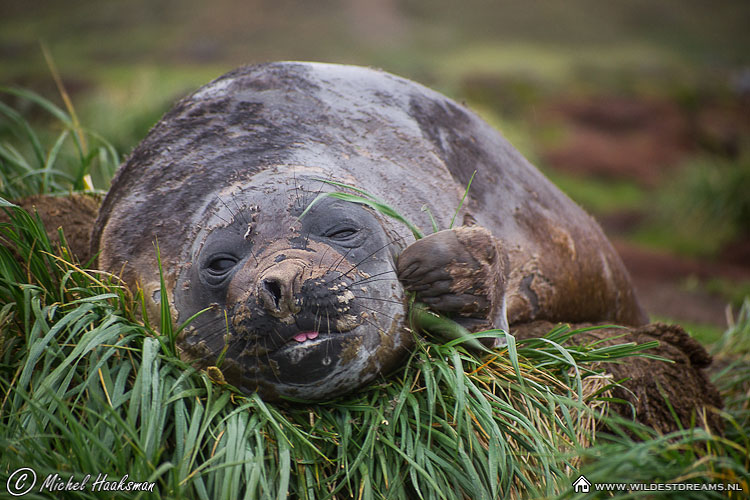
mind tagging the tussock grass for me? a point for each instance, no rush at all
(32, 162)
(732, 376)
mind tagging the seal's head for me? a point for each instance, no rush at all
(305, 307)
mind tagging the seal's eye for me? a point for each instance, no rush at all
(221, 264)
(341, 233)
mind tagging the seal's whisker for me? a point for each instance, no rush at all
(307, 239)
(217, 325)
(209, 335)
(409, 281)
(377, 311)
(378, 299)
(322, 184)
(239, 213)
(318, 320)
(234, 215)
(267, 360)
(248, 224)
(226, 206)
(239, 210)
(328, 327)
(275, 332)
(222, 218)
(212, 330)
(296, 189)
(331, 268)
(354, 266)
(377, 327)
(328, 322)
(320, 264)
(372, 323)
(257, 262)
(229, 224)
(369, 278)
(211, 323)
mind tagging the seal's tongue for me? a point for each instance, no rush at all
(301, 337)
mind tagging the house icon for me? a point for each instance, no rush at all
(581, 485)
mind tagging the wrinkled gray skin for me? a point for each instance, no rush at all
(313, 307)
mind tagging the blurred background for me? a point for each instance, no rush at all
(639, 110)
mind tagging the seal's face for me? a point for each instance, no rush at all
(307, 308)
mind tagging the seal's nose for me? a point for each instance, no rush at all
(272, 292)
(276, 288)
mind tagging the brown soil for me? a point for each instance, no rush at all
(640, 139)
(660, 280)
(619, 138)
(737, 253)
(75, 213)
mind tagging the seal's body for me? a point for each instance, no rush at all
(311, 307)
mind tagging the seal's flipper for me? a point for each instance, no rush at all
(461, 272)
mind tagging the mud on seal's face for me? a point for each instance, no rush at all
(308, 308)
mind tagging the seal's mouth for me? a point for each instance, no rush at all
(310, 337)
(308, 332)
(304, 336)
(309, 341)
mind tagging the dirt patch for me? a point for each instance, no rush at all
(737, 253)
(660, 278)
(619, 137)
(75, 213)
(639, 138)
(662, 266)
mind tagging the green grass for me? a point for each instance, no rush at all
(60, 159)
(600, 196)
(733, 379)
(705, 207)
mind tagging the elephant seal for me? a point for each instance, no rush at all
(313, 307)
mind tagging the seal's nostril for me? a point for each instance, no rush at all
(273, 287)
(276, 287)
